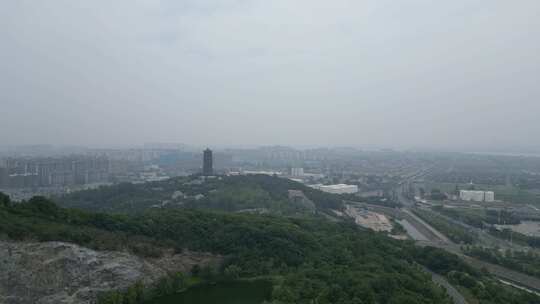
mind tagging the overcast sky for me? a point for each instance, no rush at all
(460, 74)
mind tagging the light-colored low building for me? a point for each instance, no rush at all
(270, 173)
(489, 196)
(471, 195)
(337, 189)
(477, 196)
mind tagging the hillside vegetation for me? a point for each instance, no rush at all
(315, 259)
(309, 259)
(266, 194)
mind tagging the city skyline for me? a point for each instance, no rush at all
(52, 149)
(255, 151)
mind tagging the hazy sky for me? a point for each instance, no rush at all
(460, 74)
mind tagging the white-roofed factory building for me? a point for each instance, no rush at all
(337, 189)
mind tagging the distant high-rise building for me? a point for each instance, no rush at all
(208, 163)
(297, 172)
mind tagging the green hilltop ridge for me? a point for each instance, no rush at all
(256, 193)
(308, 260)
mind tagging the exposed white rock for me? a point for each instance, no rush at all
(56, 272)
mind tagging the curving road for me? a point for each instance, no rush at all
(452, 292)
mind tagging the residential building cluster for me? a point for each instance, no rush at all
(53, 172)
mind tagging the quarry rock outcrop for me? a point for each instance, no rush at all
(65, 273)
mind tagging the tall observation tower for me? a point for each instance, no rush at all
(208, 169)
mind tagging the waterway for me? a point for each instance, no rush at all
(240, 292)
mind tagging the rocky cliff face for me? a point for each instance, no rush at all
(62, 273)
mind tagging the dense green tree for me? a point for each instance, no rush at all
(5, 200)
(227, 193)
(195, 270)
(232, 272)
(310, 260)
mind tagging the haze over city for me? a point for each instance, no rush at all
(451, 75)
(269, 152)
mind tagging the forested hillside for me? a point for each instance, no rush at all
(266, 194)
(308, 259)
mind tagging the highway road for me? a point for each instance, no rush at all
(456, 296)
(426, 235)
(435, 240)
